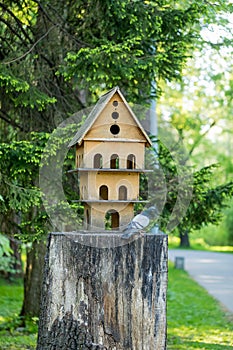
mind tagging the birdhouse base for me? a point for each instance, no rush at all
(112, 298)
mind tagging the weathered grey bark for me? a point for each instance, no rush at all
(104, 298)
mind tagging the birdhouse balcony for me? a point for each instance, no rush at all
(109, 184)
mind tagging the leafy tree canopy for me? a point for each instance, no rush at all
(192, 198)
(56, 56)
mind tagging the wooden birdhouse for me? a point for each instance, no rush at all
(110, 151)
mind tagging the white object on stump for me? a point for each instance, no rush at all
(111, 298)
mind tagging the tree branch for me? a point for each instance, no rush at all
(19, 23)
(26, 53)
(200, 138)
(4, 116)
(60, 25)
(10, 27)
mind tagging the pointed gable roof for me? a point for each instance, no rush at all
(98, 108)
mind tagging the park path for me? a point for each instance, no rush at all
(213, 271)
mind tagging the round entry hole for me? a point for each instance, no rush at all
(115, 129)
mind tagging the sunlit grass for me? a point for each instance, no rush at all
(10, 299)
(195, 319)
(224, 249)
(198, 244)
(12, 335)
(18, 341)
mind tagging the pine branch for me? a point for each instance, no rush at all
(19, 23)
(33, 46)
(8, 120)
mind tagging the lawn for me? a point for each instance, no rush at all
(199, 244)
(195, 319)
(12, 335)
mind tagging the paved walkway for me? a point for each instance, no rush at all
(213, 271)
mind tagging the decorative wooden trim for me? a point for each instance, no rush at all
(121, 170)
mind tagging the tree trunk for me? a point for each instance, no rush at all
(184, 239)
(33, 279)
(112, 297)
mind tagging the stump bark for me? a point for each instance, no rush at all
(104, 298)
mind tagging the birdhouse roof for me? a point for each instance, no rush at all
(94, 114)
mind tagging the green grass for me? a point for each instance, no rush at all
(195, 319)
(12, 335)
(199, 244)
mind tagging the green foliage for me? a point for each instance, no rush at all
(5, 248)
(210, 238)
(102, 44)
(61, 192)
(192, 199)
(200, 108)
(22, 93)
(20, 161)
(207, 202)
(6, 258)
(18, 185)
(131, 44)
(10, 83)
(58, 56)
(229, 225)
(212, 235)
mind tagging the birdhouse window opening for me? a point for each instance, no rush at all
(115, 115)
(122, 193)
(115, 129)
(115, 103)
(103, 192)
(114, 161)
(98, 161)
(112, 220)
(80, 161)
(131, 161)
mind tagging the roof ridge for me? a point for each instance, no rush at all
(108, 92)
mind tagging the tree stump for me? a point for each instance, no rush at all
(104, 298)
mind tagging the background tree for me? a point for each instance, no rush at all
(229, 224)
(23, 216)
(200, 105)
(190, 198)
(57, 57)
